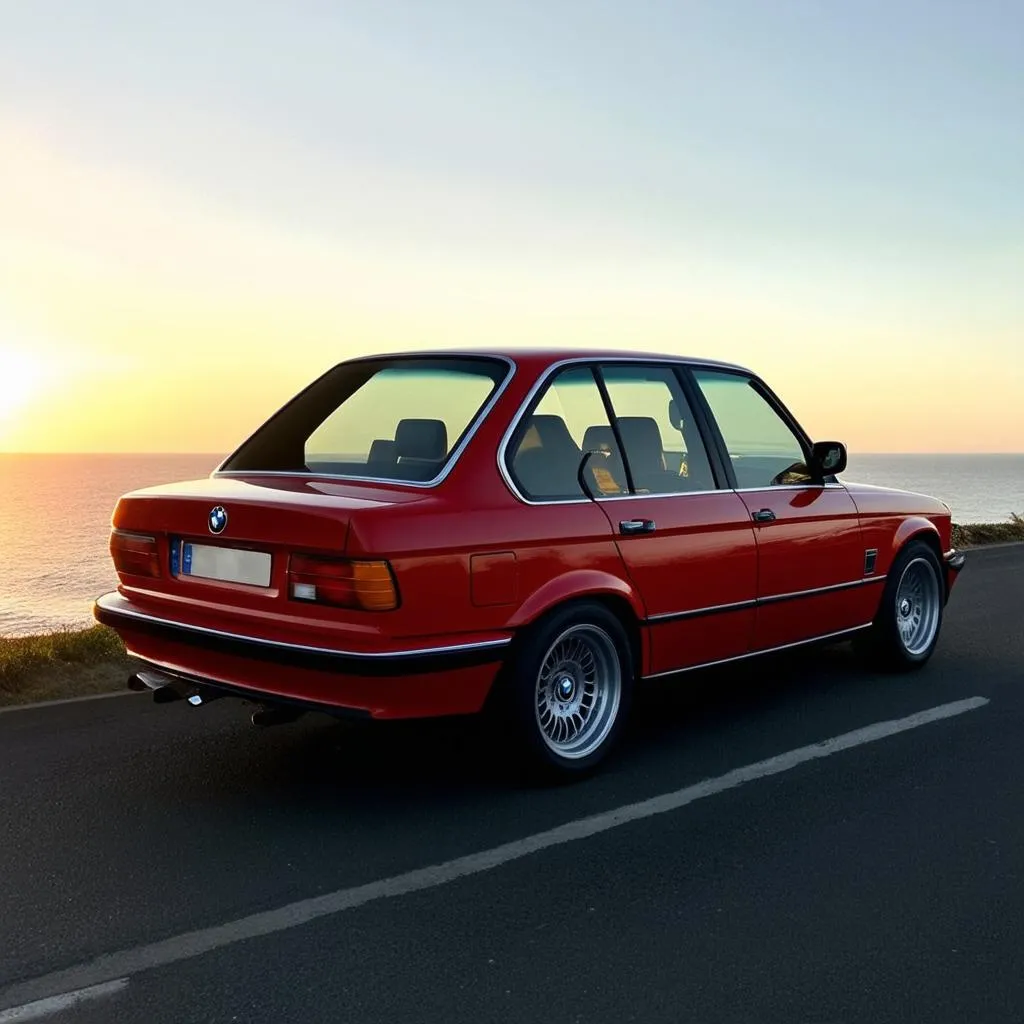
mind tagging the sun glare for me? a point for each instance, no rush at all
(21, 379)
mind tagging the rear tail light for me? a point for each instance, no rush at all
(369, 586)
(135, 554)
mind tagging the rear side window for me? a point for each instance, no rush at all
(570, 419)
(664, 448)
(386, 419)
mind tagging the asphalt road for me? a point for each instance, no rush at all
(884, 882)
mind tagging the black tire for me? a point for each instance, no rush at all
(886, 644)
(518, 715)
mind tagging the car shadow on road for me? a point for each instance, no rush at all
(750, 709)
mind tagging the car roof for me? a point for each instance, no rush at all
(552, 356)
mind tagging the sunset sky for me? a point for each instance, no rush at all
(204, 205)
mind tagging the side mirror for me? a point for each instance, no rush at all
(829, 457)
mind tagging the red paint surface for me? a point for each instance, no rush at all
(473, 562)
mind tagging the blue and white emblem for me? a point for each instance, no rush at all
(218, 519)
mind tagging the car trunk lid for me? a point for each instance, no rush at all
(224, 543)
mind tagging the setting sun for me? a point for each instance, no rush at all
(21, 378)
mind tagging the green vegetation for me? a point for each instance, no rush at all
(75, 663)
(69, 663)
(977, 534)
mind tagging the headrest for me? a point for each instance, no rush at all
(640, 433)
(552, 431)
(421, 439)
(382, 451)
(599, 437)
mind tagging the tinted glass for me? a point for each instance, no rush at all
(664, 449)
(395, 419)
(763, 449)
(569, 419)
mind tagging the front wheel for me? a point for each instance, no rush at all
(906, 629)
(567, 690)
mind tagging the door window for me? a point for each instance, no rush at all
(763, 448)
(569, 420)
(664, 449)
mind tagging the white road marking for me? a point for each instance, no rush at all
(127, 962)
(56, 1004)
(67, 700)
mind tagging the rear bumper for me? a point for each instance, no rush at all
(399, 683)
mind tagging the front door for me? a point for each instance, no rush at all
(687, 544)
(812, 579)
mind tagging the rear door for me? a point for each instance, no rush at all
(688, 544)
(811, 557)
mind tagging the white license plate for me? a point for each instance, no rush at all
(232, 565)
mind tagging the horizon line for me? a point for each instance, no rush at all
(220, 456)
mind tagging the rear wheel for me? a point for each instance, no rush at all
(906, 630)
(567, 690)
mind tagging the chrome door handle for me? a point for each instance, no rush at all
(764, 515)
(637, 526)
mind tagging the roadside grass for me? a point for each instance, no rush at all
(76, 663)
(977, 534)
(68, 663)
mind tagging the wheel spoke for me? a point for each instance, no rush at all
(918, 606)
(587, 656)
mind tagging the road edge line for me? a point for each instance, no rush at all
(188, 945)
(58, 1004)
(63, 701)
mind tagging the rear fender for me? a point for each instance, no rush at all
(575, 586)
(579, 585)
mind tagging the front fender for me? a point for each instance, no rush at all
(576, 585)
(914, 526)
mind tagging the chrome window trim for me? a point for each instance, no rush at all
(767, 650)
(107, 602)
(613, 497)
(595, 360)
(666, 494)
(771, 489)
(453, 456)
(714, 609)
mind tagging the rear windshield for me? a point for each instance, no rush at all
(387, 419)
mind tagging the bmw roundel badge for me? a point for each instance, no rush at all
(218, 519)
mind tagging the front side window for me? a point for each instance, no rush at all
(547, 449)
(664, 449)
(763, 448)
(391, 419)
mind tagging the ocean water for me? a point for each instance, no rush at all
(54, 526)
(55, 517)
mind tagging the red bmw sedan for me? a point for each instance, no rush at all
(530, 533)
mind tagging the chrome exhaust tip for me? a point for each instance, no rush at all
(163, 687)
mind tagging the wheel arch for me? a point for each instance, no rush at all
(583, 586)
(882, 644)
(912, 529)
(926, 532)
